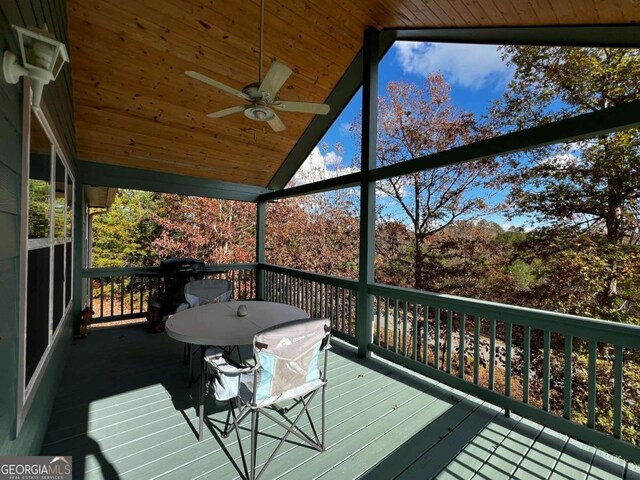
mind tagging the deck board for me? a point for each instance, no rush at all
(543, 455)
(123, 411)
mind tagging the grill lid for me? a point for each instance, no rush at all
(184, 266)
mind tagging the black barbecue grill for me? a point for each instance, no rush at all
(175, 274)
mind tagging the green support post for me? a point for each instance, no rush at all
(261, 215)
(364, 323)
(78, 251)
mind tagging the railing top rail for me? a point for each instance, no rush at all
(319, 277)
(581, 327)
(115, 271)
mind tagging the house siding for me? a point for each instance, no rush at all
(58, 99)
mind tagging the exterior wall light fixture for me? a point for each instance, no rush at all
(42, 58)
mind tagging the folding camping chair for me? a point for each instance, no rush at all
(202, 292)
(281, 385)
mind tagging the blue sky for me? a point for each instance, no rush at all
(477, 76)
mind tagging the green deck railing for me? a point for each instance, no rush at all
(562, 371)
(523, 360)
(123, 293)
(322, 296)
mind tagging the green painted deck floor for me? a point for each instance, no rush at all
(123, 411)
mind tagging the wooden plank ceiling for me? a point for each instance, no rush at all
(135, 107)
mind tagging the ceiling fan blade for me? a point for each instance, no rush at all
(276, 124)
(227, 111)
(304, 107)
(275, 78)
(217, 84)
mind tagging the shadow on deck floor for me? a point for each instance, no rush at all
(123, 411)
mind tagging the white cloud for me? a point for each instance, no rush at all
(345, 129)
(465, 65)
(561, 160)
(320, 167)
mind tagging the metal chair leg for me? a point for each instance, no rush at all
(202, 385)
(254, 441)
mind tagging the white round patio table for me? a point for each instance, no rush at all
(219, 324)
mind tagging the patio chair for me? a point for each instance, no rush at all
(203, 292)
(208, 290)
(286, 377)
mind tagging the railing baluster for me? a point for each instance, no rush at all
(350, 317)
(111, 295)
(308, 296)
(142, 285)
(253, 279)
(233, 280)
(270, 287)
(276, 283)
(436, 335)
(568, 354)
(526, 364)
(267, 286)
(618, 361)
(546, 369)
(326, 300)
(492, 353)
(591, 409)
(101, 297)
(396, 335)
(378, 300)
(508, 334)
(315, 298)
(476, 349)
(449, 338)
(343, 308)
(405, 331)
(281, 289)
(425, 332)
(121, 295)
(461, 327)
(131, 280)
(416, 333)
(386, 323)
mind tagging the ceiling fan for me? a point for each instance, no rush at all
(262, 95)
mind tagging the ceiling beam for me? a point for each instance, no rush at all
(335, 183)
(587, 125)
(625, 36)
(105, 175)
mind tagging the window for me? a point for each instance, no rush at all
(46, 261)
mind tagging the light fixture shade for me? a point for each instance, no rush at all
(42, 59)
(42, 54)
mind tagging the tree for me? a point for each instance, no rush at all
(212, 230)
(471, 259)
(314, 233)
(586, 190)
(122, 234)
(415, 122)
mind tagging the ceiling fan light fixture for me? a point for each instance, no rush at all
(259, 113)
